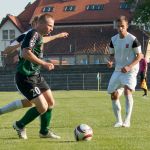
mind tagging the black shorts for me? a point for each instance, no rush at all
(31, 86)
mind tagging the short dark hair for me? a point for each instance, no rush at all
(43, 17)
(122, 18)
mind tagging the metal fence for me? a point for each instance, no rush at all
(76, 81)
(83, 81)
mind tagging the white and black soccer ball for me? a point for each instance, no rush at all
(83, 132)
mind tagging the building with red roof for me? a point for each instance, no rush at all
(90, 24)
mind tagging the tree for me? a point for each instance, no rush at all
(142, 11)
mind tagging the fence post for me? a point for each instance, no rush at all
(67, 82)
(83, 81)
(98, 81)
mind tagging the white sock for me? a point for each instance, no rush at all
(129, 107)
(117, 109)
(11, 107)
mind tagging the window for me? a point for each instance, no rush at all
(8, 34)
(69, 8)
(95, 7)
(48, 9)
(5, 34)
(124, 5)
(11, 34)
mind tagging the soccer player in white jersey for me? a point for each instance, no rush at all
(125, 53)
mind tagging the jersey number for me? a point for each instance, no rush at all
(36, 91)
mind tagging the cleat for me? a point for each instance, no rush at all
(21, 132)
(126, 124)
(118, 124)
(50, 134)
(145, 95)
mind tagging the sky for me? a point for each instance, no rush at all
(13, 7)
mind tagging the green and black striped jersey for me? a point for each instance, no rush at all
(33, 40)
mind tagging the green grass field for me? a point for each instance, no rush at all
(76, 107)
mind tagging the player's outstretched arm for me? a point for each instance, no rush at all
(47, 39)
(28, 55)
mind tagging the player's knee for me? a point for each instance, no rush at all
(26, 103)
(42, 109)
(51, 104)
(114, 95)
(127, 90)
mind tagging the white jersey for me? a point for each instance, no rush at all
(125, 51)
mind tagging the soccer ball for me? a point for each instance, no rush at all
(83, 132)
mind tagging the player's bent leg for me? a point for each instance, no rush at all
(45, 132)
(116, 108)
(129, 106)
(26, 103)
(40, 104)
(11, 107)
(49, 98)
(18, 104)
(41, 107)
(46, 118)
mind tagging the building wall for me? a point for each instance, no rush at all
(4, 43)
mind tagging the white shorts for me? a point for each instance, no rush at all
(118, 80)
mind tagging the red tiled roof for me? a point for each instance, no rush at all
(17, 22)
(110, 12)
(80, 15)
(27, 14)
(14, 20)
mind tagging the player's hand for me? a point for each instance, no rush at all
(54, 61)
(109, 64)
(63, 35)
(48, 66)
(125, 69)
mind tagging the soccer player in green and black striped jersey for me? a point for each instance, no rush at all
(15, 44)
(30, 82)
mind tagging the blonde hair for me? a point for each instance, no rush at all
(34, 20)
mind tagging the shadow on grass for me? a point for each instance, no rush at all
(38, 140)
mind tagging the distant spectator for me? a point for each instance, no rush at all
(143, 75)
